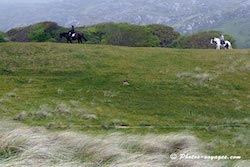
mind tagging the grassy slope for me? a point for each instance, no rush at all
(60, 86)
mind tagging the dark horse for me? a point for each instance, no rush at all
(77, 36)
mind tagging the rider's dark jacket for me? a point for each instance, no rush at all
(72, 30)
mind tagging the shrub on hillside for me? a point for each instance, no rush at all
(18, 35)
(165, 34)
(94, 34)
(131, 35)
(2, 37)
(199, 40)
(40, 32)
(122, 34)
(39, 35)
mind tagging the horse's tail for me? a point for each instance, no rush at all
(83, 36)
(212, 41)
(230, 45)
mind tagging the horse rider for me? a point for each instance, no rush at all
(72, 31)
(222, 40)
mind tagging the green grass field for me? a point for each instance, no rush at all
(205, 93)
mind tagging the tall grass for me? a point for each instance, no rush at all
(38, 147)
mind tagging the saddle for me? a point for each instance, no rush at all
(72, 34)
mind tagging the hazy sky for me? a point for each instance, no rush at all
(27, 1)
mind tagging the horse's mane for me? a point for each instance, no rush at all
(63, 33)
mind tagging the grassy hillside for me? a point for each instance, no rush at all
(101, 89)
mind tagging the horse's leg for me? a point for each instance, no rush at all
(226, 46)
(218, 47)
(68, 40)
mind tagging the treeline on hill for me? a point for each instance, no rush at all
(2, 37)
(122, 34)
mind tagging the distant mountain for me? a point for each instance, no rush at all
(230, 16)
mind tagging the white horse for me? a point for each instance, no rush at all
(217, 42)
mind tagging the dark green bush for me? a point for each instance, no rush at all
(2, 37)
(122, 34)
(40, 32)
(165, 34)
(130, 35)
